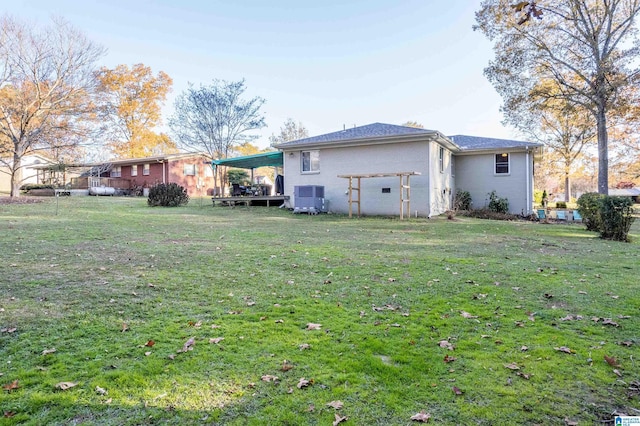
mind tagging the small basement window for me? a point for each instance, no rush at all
(386, 190)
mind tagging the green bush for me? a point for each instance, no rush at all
(462, 201)
(616, 215)
(488, 214)
(498, 204)
(29, 186)
(561, 204)
(238, 176)
(538, 195)
(167, 195)
(589, 208)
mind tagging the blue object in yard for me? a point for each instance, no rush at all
(576, 216)
(541, 214)
(561, 215)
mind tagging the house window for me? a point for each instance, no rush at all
(208, 171)
(189, 169)
(502, 164)
(145, 169)
(134, 170)
(116, 171)
(441, 159)
(310, 161)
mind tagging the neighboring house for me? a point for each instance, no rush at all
(633, 193)
(190, 170)
(29, 170)
(441, 165)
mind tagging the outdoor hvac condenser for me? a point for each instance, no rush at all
(309, 199)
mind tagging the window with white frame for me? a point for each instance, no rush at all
(310, 161)
(502, 164)
(116, 171)
(190, 169)
(134, 170)
(441, 159)
(145, 169)
(208, 170)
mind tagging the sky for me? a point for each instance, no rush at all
(324, 64)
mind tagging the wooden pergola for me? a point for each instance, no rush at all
(405, 190)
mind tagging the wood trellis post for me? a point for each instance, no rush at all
(405, 190)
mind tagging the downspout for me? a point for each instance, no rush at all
(529, 184)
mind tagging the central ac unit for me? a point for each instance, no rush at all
(309, 199)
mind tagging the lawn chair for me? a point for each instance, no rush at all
(576, 216)
(541, 214)
(236, 190)
(561, 215)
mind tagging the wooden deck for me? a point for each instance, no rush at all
(248, 200)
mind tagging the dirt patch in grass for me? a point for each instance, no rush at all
(20, 200)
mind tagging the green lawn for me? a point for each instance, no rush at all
(472, 321)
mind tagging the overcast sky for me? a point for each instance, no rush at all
(326, 64)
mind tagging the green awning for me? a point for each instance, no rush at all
(265, 159)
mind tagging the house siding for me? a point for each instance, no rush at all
(369, 159)
(476, 174)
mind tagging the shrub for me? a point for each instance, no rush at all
(561, 204)
(538, 196)
(589, 208)
(489, 214)
(616, 215)
(237, 176)
(498, 204)
(29, 186)
(167, 195)
(462, 201)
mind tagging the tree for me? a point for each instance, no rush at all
(415, 124)
(46, 90)
(131, 101)
(290, 131)
(215, 118)
(588, 47)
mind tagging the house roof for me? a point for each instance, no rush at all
(370, 131)
(474, 143)
(384, 132)
(153, 159)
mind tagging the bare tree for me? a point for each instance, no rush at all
(46, 86)
(215, 118)
(290, 131)
(588, 47)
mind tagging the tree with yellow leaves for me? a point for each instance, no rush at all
(131, 101)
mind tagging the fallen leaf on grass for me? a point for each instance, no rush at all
(612, 361)
(524, 348)
(339, 419)
(48, 351)
(150, 343)
(304, 346)
(101, 391)
(609, 321)
(335, 404)
(312, 326)
(269, 378)
(570, 422)
(9, 414)
(172, 356)
(216, 340)
(65, 385)
(279, 321)
(422, 416)
(445, 344)
(512, 366)
(303, 383)
(125, 327)
(11, 386)
(626, 343)
(286, 366)
(456, 390)
(565, 350)
(617, 372)
(147, 353)
(449, 359)
(467, 315)
(188, 345)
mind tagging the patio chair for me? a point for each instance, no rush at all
(576, 216)
(561, 215)
(542, 214)
(236, 190)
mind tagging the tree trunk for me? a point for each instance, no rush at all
(16, 176)
(567, 187)
(603, 151)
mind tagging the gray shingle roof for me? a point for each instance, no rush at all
(375, 130)
(471, 143)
